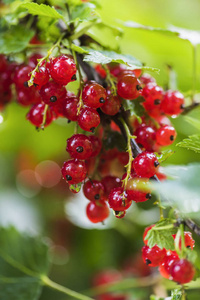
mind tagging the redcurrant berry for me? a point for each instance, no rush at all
(182, 271)
(97, 211)
(36, 115)
(52, 93)
(166, 264)
(146, 137)
(145, 164)
(88, 119)
(165, 135)
(112, 104)
(153, 256)
(173, 103)
(189, 242)
(70, 108)
(74, 171)
(117, 200)
(93, 95)
(79, 146)
(135, 187)
(93, 190)
(96, 145)
(110, 182)
(129, 87)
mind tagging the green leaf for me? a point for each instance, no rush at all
(161, 235)
(23, 260)
(135, 108)
(75, 187)
(176, 294)
(191, 143)
(183, 190)
(15, 39)
(42, 10)
(154, 297)
(74, 47)
(164, 155)
(193, 121)
(84, 12)
(21, 288)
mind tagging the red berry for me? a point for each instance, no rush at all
(145, 233)
(153, 95)
(63, 69)
(189, 242)
(123, 158)
(93, 95)
(97, 211)
(41, 76)
(165, 135)
(36, 115)
(116, 69)
(88, 119)
(21, 76)
(146, 137)
(112, 104)
(70, 108)
(134, 190)
(137, 72)
(52, 93)
(3, 63)
(153, 256)
(145, 164)
(117, 200)
(129, 87)
(182, 271)
(100, 70)
(166, 264)
(74, 171)
(173, 103)
(79, 146)
(93, 190)
(28, 97)
(110, 182)
(96, 145)
(33, 59)
(146, 78)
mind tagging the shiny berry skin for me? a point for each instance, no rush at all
(153, 95)
(153, 256)
(116, 69)
(52, 93)
(41, 76)
(3, 63)
(123, 158)
(74, 171)
(33, 59)
(96, 145)
(21, 76)
(28, 97)
(116, 200)
(137, 72)
(166, 264)
(63, 69)
(145, 233)
(165, 135)
(146, 137)
(93, 190)
(97, 211)
(129, 87)
(88, 119)
(119, 214)
(100, 70)
(173, 103)
(182, 271)
(94, 95)
(79, 146)
(136, 194)
(36, 115)
(189, 242)
(145, 164)
(110, 182)
(112, 104)
(146, 78)
(70, 108)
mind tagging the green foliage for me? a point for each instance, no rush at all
(191, 143)
(42, 10)
(15, 39)
(161, 235)
(183, 192)
(84, 12)
(164, 155)
(176, 294)
(23, 259)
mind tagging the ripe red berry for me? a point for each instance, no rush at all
(189, 242)
(153, 256)
(96, 145)
(146, 137)
(70, 109)
(79, 146)
(3, 63)
(74, 171)
(41, 76)
(36, 115)
(28, 97)
(182, 271)
(88, 119)
(166, 264)
(93, 190)
(123, 158)
(63, 69)
(93, 95)
(153, 95)
(116, 69)
(117, 200)
(135, 189)
(21, 76)
(52, 93)
(145, 233)
(97, 211)
(146, 78)
(129, 87)
(145, 164)
(100, 70)
(110, 182)
(165, 135)
(173, 103)
(33, 59)
(112, 104)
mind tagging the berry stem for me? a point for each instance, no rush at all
(48, 282)
(176, 242)
(129, 150)
(44, 116)
(110, 79)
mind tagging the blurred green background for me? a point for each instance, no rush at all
(36, 208)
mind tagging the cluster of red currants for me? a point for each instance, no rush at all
(171, 266)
